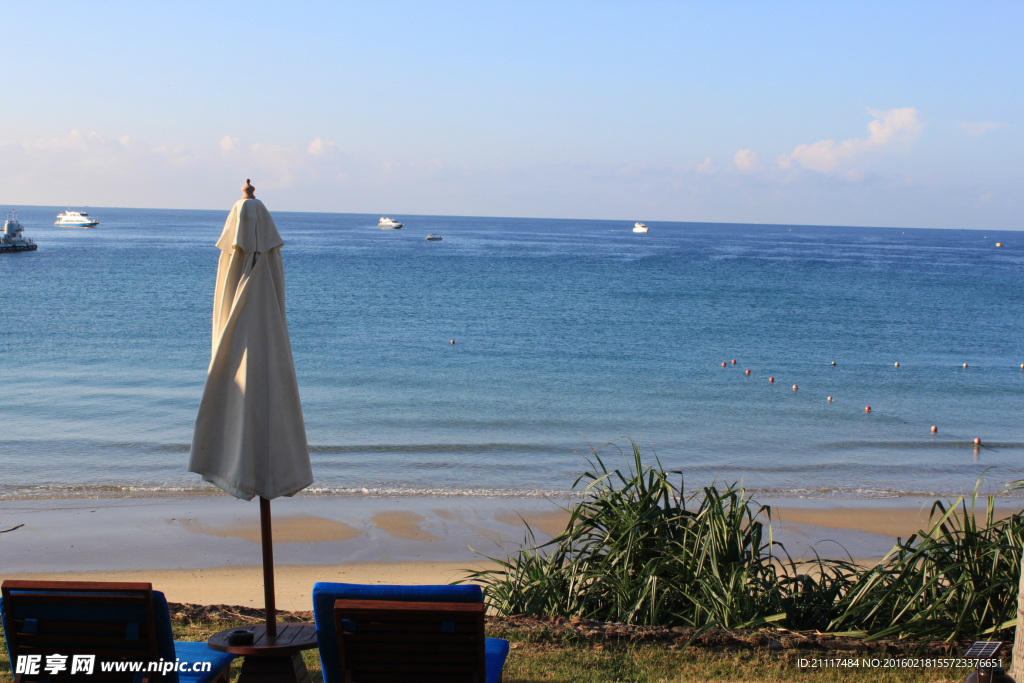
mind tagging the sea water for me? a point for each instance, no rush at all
(569, 334)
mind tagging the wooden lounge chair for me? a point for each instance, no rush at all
(411, 634)
(116, 622)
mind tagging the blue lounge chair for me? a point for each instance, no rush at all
(404, 633)
(114, 621)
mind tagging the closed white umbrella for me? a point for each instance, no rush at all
(250, 439)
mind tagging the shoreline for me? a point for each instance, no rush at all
(815, 497)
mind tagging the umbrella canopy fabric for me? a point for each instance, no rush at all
(250, 439)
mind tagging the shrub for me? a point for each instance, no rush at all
(638, 550)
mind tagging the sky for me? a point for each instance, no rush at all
(869, 113)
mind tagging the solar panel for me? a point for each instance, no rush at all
(983, 649)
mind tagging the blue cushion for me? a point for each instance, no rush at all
(495, 652)
(324, 595)
(167, 648)
(200, 652)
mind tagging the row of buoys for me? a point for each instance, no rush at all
(833, 363)
(867, 409)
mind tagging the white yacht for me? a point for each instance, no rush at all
(639, 227)
(75, 219)
(434, 238)
(11, 239)
(388, 224)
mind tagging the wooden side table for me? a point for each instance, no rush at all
(271, 660)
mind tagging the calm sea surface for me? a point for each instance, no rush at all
(568, 333)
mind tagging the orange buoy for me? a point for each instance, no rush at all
(897, 363)
(965, 365)
(867, 409)
(829, 399)
(734, 361)
(771, 379)
(748, 371)
(999, 244)
(977, 441)
(794, 387)
(934, 429)
(723, 364)
(453, 341)
(833, 362)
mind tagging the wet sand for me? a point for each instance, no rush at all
(302, 529)
(883, 521)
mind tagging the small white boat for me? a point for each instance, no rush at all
(639, 227)
(11, 238)
(388, 224)
(75, 219)
(433, 238)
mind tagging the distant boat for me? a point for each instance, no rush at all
(639, 227)
(388, 224)
(12, 239)
(434, 238)
(75, 219)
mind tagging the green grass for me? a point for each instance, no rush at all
(653, 664)
(585, 663)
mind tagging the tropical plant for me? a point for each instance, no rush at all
(958, 579)
(638, 550)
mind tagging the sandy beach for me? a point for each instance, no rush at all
(293, 583)
(206, 549)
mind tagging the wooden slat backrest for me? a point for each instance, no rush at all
(51, 633)
(381, 641)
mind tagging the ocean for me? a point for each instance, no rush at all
(569, 335)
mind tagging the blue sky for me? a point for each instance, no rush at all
(903, 114)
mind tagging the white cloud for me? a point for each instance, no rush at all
(73, 140)
(746, 160)
(973, 130)
(891, 127)
(318, 147)
(102, 169)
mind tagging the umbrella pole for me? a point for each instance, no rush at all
(268, 567)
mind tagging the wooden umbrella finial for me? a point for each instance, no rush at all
(248, 191)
